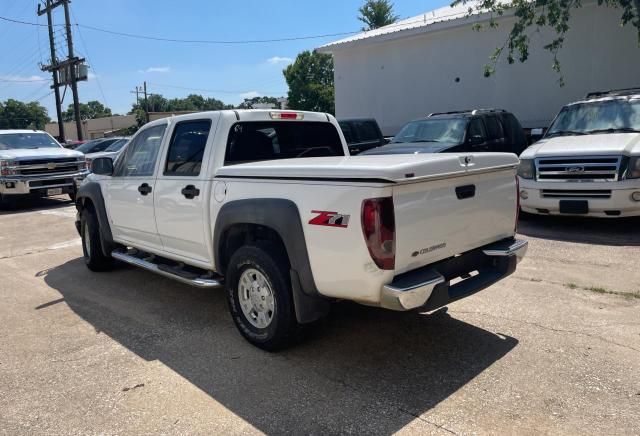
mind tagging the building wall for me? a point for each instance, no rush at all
(95, 128)
(408, 78)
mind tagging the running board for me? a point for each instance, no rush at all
(198, 282)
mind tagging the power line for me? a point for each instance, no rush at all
(23, 80)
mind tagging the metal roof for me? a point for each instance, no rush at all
(419, 24)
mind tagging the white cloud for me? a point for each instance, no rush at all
(23, 79)
(277, 60)
(250, 94)
(156, 70)
(92, 76)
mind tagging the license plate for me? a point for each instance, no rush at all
(577, 207)
(54, 191)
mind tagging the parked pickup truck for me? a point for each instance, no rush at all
(33, 163)
(588, 162)
(270, 205)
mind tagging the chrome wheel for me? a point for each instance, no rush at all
(87, 240)
(256, 298)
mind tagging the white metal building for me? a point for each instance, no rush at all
(434, 63)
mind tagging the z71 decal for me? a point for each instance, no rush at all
(330, 219)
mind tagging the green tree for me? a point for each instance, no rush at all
(377, 13)
(310, 80)
(535, 16)
(249, 103)
(15, 114)
(191, 103)
(90, 110)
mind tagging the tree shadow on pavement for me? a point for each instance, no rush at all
(600, 231)
(360, 370)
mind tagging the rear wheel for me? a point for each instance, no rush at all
(259, 296)
(94, 258)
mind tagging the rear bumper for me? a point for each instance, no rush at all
(430, 287)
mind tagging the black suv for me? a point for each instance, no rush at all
(361, 134)
(462, 131)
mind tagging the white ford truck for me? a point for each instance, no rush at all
(588, 163)
(269, 205)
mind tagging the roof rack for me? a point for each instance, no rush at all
(613, 92)
(450, 113)
(468, 111)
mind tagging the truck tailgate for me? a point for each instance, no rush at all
(439, 218)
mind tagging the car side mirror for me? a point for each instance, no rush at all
(476, 140)
(102, 166)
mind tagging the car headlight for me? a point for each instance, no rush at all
(526, 169)
(5, 168)
(633, 172)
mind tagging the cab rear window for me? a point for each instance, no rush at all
(272, 140)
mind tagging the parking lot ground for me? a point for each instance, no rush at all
(555, 348)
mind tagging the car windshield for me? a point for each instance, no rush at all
(608, 116)
(16, 141)
(94, 146)
(116, 146)
(433, 130)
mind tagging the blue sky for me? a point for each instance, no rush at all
(118, 63)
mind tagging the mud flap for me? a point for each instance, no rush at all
(308, 309)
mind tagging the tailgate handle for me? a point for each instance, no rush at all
(466, 191)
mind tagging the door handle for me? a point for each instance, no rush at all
(467, 191)
(190, 192)
(144, 189)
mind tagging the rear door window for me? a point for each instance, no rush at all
(186, 150)
(272, 140)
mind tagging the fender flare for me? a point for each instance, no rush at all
(283, 217)
(93, 192)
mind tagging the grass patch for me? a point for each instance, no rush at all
(603, 291)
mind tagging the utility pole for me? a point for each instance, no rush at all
(67, 72)
(146, 102)
(56, 85)
(74, 71)
(137, 93)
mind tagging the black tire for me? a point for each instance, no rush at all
(94, 258)
(7, 202)
(283, 329)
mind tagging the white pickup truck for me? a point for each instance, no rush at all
(270, 205)
(588, 163)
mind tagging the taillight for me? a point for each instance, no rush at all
(517, 203)
(379, 229)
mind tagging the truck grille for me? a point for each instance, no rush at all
(572, 193)
(47, 167)
(578, 169)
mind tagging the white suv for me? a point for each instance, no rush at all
(588, 163)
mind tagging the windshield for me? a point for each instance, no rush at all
(93, 146)
(16, 141)
(116, 145)
(609, 116)
(433, 130)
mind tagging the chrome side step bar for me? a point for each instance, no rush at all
(198, 282)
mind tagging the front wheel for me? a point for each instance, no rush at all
(259, 296)
(94, 258)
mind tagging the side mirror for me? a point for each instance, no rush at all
(476, 140)
(102, 166)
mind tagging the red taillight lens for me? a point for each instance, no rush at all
(379, 229)
(517, 202)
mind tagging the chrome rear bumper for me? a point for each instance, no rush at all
(430, 287)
